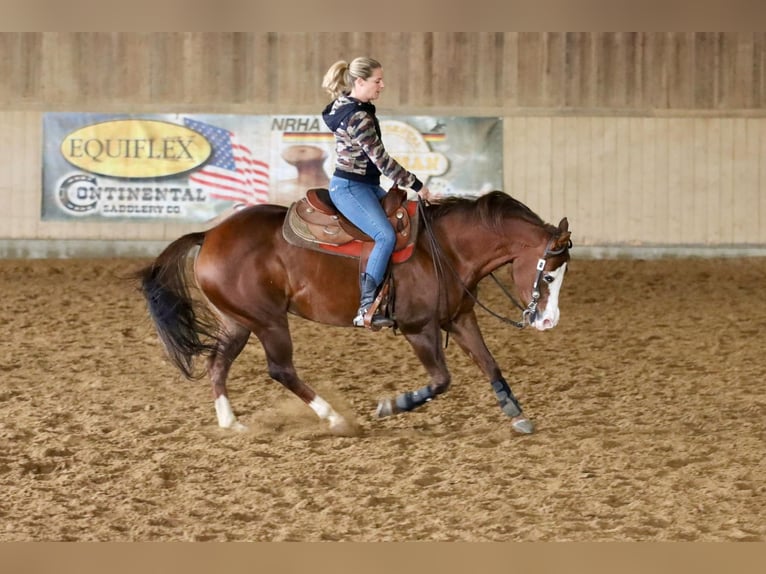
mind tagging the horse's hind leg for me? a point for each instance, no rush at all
(232, 340)
(427, 347)
(276, 341)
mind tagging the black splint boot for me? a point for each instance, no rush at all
(369, 290)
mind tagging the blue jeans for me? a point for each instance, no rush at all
(360, 203)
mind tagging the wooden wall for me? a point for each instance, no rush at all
(643, 180)
(508, 71)
(639, 138)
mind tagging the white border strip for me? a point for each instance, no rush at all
(98, 248)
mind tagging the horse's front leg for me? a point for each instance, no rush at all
(465, 330)
(427, 347)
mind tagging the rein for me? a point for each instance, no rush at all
(527, 312)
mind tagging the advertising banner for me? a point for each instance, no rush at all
(194, 167)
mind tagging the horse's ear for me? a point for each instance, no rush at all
(563, 240)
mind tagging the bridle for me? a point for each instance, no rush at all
(528, 315)
(529, 312)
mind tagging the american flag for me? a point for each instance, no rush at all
(231, 173)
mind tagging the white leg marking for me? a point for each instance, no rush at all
(226, 418)
(324, 411)
(550, 317)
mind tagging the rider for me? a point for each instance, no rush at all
(361, 158)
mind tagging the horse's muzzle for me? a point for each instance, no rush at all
(544, 321)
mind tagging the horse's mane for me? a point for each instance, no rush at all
(492, 209)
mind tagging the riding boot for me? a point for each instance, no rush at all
(369, 290)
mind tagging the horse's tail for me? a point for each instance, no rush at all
(184, 328)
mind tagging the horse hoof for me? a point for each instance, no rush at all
(386, 408)
(523, 425)
(238, 427)
(343, 428)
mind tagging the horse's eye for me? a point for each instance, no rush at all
(548, 278)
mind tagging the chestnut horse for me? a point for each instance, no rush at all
(251, 278)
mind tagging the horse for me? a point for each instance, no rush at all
(251, 278)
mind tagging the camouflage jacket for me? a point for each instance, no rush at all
(360, 155)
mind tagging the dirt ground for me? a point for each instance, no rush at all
(648, 397)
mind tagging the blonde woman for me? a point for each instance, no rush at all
(361, 159)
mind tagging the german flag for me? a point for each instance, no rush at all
(307, 137)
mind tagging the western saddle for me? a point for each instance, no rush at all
(314, 222)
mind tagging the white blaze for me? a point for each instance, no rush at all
(550, 317)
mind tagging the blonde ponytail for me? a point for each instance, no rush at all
(335, 81)
(339, 78)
